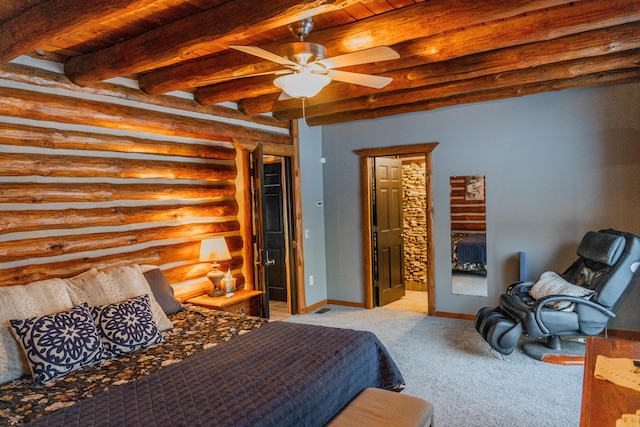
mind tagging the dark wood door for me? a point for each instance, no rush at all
(388, 231)
(275, 234)
(259, 237)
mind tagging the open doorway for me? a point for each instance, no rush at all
(277, 230)
(283, 197)
(371, 230)
(273, 233)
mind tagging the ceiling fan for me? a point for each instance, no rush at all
(307, 69)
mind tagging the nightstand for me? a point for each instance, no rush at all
(242, 302)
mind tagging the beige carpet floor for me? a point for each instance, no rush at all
(446, 362)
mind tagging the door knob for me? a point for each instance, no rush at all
(268, 261)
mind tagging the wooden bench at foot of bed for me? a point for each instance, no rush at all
(375, 407)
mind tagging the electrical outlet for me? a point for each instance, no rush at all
(311, 280)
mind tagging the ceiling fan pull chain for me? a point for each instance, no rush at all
(304, 114)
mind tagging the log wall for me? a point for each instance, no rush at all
(106, 176)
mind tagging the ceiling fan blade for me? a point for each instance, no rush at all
(224, 79)
(264, 54)
(369, 80)
(375, 54)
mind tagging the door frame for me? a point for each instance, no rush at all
(256, 190)
(297, 291)
(366, 226)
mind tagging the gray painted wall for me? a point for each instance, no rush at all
(557, 165)
(312, 215)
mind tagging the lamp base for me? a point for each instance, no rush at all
(215, 276)
(216, 293)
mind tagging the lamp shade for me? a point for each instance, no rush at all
(304, 84)
(214, 250)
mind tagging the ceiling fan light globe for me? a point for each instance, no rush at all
(302, 85)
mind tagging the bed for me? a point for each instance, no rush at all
(213, 368)
(469, 253)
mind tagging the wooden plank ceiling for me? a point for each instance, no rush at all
(451, 51)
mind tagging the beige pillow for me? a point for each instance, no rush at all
(21, 302)
(550, 283)
(115, 285)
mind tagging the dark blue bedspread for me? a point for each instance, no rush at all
(282, 374)
(473, 248)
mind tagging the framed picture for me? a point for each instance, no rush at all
(474, 187)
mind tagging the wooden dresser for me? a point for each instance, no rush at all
(603, 402)
(242, 302)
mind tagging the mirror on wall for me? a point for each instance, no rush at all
(468, 235)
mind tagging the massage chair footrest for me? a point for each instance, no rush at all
(500, 331)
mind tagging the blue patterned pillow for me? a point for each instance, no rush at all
(127, 326)
(59, 343)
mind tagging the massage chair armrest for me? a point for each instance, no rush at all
(540, 305)
(519, 288)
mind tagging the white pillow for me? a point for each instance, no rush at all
(551, 283)
(115, 285)
(21, 302)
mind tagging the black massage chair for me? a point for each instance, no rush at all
(606, 265)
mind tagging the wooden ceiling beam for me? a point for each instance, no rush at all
(10, 9)
(535, 27)
(419, 20)
(557, 71)
(234, 90)
(269, 102)
(180, 40)
(541, 25)
(598, 79)
(583, 45)
(51, 19)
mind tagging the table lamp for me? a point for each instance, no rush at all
(215, 250)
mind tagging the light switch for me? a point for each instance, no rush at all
(307, 233)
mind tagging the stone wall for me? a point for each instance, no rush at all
(415, 225)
